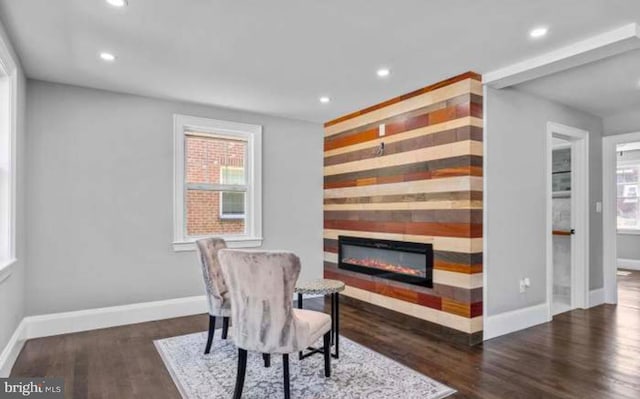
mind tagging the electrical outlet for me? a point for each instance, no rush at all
(599, 207)
(382, 130)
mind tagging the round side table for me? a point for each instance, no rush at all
(324, 287)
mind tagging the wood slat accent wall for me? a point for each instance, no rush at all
(426, 187)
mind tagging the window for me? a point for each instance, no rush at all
(217, 182)
(232, 204)
(8, 82)
(628, 188)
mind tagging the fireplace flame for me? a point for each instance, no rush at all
(390, 267)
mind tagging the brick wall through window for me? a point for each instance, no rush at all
(207, 160)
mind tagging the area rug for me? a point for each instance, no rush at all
(359, 373)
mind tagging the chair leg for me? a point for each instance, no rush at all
(285, 365)
(327, 354)
(225, 327)
(242, 368)
(267, 359)
(212, 330)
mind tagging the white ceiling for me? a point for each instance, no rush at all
(279, 56)
(602, 88)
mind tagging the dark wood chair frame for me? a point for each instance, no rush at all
(242, 367)
(225, 331)
(212, 330)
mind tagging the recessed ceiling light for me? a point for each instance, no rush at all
(117, 3)
(325, 100)
(538, 32)
(107, 57)
(383, 72)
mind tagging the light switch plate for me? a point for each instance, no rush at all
(381, 130)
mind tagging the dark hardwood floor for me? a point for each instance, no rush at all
(581, 354)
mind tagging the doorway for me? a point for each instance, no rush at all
(621, 218)
(562, 230)
(567, 219)
(628, 223)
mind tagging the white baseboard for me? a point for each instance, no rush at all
(508, 322)
(92, 319)
(596, 297)
(12, 350)
(631, 264)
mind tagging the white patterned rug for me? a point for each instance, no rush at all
(359, 373)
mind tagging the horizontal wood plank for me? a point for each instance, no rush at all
(414, 228)
(453, 244)
(447, 184)
(466, 216)
(406, 197)
(455, 204)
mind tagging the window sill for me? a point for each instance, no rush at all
(6, 268)
(232, 217)
(629, 232)
(232, 242)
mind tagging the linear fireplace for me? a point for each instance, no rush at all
(408, 262)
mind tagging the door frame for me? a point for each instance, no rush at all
(609, 212)
(579, 140)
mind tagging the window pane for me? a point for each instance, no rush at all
(627, 174)
(232, 175)
(628, 213)
(212, 159)
(232, 204)
(628, 190)
(204, 217)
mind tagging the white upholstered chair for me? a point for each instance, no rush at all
(261, 285)
(216, 289)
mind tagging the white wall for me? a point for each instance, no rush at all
(628, 246)
(516, 128)
(12, 290)
(100, 197)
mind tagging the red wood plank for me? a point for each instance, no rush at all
(476, 309)
(415, 228)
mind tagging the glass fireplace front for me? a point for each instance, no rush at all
(407, 262)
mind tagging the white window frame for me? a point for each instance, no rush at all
(625, 230)
(252, 134)
(231, 216)
(8, 257)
